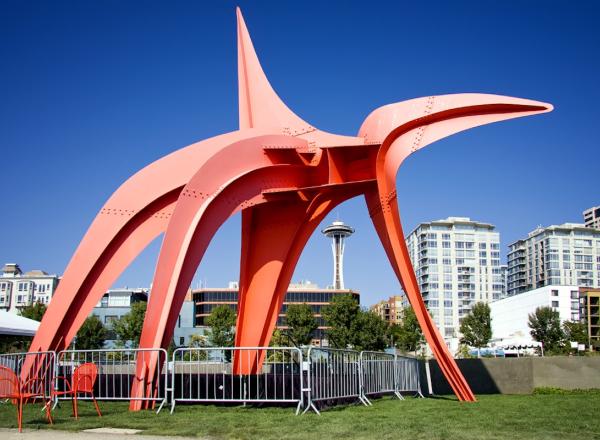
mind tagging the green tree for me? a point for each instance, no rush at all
(339, 315)
(129, 326)
(476, 327)
(279, 339)
(301, 324)
(34, 311)
(407, 336)
(463, 352)
(369, 331)
(14, 344)
(575, 331)
(197, 341)
(222, 326)
(92, 334)
(545, 328)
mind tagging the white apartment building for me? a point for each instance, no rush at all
(567, 255)
(591, 217)
(457, 264)
(510, 316)
(18, 289)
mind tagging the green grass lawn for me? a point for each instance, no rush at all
(542, 416)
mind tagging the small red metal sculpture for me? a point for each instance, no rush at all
(284, 175)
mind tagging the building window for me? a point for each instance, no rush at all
(554, 303)
(554, 292)
(181, 340)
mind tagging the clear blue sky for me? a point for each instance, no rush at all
(90, 92)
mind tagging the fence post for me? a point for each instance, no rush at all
(428, 375)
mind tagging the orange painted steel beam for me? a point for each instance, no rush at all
(284, 176)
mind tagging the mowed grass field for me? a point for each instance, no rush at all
(573, 415)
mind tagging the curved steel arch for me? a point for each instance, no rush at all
(284, 175)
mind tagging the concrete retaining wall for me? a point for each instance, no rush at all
(521, 375)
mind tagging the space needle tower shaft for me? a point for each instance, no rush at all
(338, 232)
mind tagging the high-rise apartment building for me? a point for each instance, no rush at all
(457, 263)
(591, 217)
(568, 254)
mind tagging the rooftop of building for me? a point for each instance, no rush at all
(12, 270)
(449, 222)
(565, 227)
(300, 286)
(127, 290)
(589, 291)
(533, 292)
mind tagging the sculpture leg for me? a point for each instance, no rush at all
(385, 217)
(273, 238)
(268, 232)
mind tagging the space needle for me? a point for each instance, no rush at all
(338, 232)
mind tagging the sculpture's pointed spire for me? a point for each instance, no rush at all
(259, 105)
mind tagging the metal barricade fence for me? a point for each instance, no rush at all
(407, 375)
(333, 374)
(226, 374)
(378, 374)
(235, 374)
(118, 374)
(40, 365)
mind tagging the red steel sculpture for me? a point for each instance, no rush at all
(284, 175)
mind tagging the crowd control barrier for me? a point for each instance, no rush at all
(378, 374)
(225, 375)
(117, 373)
(40, 365)
(207, 375)
(333, 374)
(408, 378)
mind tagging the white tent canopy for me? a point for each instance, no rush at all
(11, 324)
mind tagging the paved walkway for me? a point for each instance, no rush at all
(90, 434)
